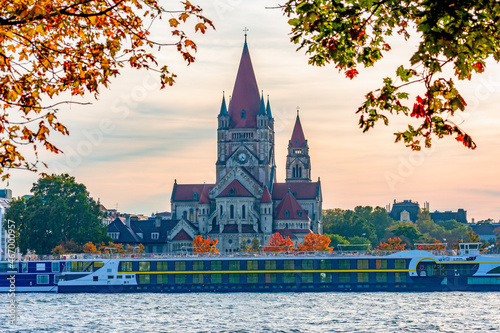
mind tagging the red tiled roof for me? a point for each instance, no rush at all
(235, 189)
(298, 138)
(304, 190)
(291, 205)
(247, 228)
(230, 228)
(185, 192)
(266, 196)
(204, 199)
(245, 94)
(286, 233)
(182, 235)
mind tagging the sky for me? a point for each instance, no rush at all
(129, 146)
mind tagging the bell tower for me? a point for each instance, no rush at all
(298, 162)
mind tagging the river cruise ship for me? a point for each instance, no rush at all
(413, 270)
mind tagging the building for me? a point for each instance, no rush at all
(5, 199)
(247, 202)
(405, 211)
(460, 216)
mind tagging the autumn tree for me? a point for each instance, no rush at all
(315, 242)
(436, 245)
(59, 211)
(89, 247)
(52, 51)
(279, 244)
(458, 36)
(68, 246)
(392, 244)
(202, 245)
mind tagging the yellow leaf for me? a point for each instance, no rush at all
(39, 29)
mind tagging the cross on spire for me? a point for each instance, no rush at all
(245, 31)
(298, 108)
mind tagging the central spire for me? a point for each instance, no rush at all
(298, 138)
(245, 101)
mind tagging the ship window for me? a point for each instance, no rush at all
(363, 277)
(288, 264)
(42, 279)
(483, 280)
(252, 265)
(144, 266)
(381, 277)
(144, 279)
(307, 264)
(252, 278)
(24, 267)
(344, 277)
(161, 279)
(344, 264)
(198, 278)
(180, 278)
(325, 277)
(243, 114)
(216, 265)
(270, 278)
(363, 264)
(162, 265)
(119, 276)
(8, 267)
(399, 277)
(381, 263)
(180, 265)
(95, 278)
(110, 277)
(55, 266)
(325, 264)
(234, 265)
(307, 277)
(495, 270)
(215, 278)
(270, 264)
(234, 278)
(197, 265)
(289, 278)
(400, 264)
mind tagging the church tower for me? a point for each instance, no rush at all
(245, 134)
(298, 162)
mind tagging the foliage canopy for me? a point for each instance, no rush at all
(456, 34)
(72, 48)
(60, 211)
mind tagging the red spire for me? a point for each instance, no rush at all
(266, 196)
(245, 95)
(204, 199)
(298, 138)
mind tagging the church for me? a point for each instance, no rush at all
(247, 202)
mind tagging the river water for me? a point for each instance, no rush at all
(254, 312)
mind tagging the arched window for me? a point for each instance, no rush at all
(243, 212)
(242, 114)
(294, 174)
(297, 142)
(231, 191)
(287, 213)
(231, 212)
(191, 214)
(300, 172)
(220, 213)
(294, 194)
(300, 213)
(195, 196)
(185, 215)
(197, 215)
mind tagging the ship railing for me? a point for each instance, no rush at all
(448, 255)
